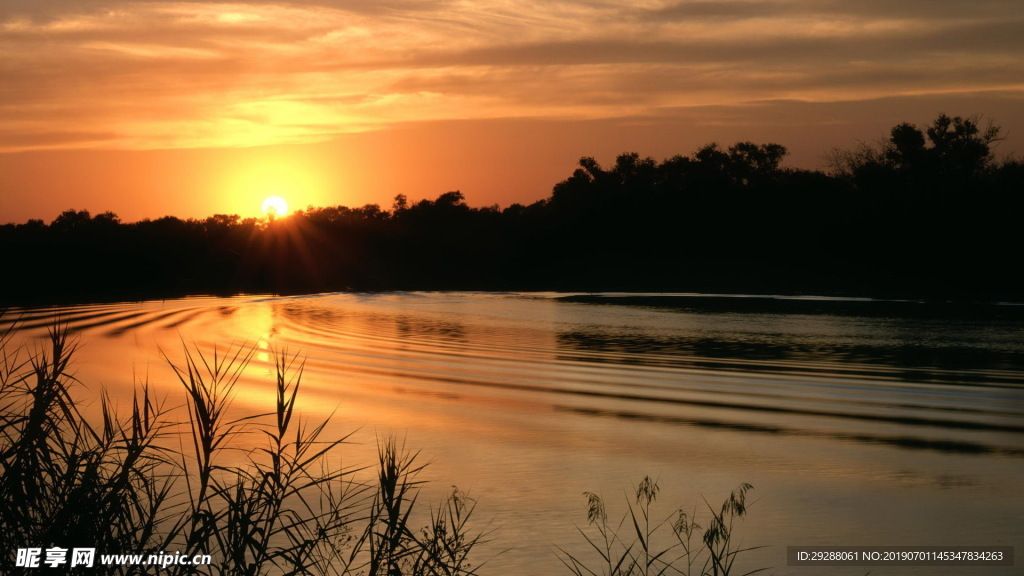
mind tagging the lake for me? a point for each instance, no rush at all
(858, 422)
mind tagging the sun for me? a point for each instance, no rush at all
(275, 207)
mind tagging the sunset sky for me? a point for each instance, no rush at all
(152, 108)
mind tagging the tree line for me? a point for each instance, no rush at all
(924, 213)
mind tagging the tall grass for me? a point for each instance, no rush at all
(642, 544)
(292, 508)
(64, 478)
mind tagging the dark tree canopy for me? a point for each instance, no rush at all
(923, 213)
(952, 152)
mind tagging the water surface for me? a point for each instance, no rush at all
(858, 422)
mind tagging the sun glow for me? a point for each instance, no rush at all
(275, 207)
(245, 178)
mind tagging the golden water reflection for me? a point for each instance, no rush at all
(856, 429)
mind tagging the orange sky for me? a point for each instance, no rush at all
(152, 108)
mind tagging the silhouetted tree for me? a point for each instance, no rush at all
(71, 220)
(401, 203)
(957, 151)
(960, 147)
(923, 211)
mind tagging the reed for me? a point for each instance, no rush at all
(64, 477)
(288, 510)
(641, 544)
(291, 508)
(442, 547)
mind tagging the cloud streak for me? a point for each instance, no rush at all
(143, 75)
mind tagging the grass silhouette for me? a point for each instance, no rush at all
(118, 488)
(285, 511)
(640, 544)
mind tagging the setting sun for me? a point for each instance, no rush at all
(275, 206)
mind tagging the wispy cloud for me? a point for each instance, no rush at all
(179, 74)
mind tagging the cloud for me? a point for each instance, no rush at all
(823, 9)
(165, 74)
